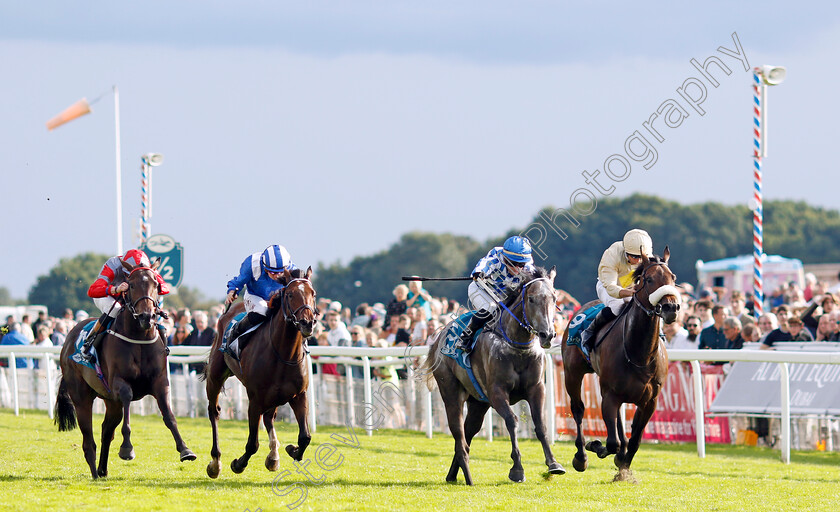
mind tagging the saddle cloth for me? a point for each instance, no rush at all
(232, 346)
(447, 348)
(579, 323)
(77, 352)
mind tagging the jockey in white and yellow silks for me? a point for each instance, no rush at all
(615, 277)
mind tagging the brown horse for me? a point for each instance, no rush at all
(630, 361)
(133, 360)
(508, 364)
(273, 369)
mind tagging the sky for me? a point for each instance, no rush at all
(335, 127)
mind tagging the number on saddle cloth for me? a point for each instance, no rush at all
(581, 321)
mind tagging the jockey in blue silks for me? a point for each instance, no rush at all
(500, 271)
(261, 275)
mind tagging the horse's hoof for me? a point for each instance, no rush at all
(272, 464)
(102, 473)
(517, 475)
(187, 454)
(292, 451)
(213, 469)
(580, 465)
(127, 454)
(556, 469)
(593, 446)
(452, 480)
(234, 466)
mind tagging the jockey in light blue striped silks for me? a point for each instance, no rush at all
(500, 271)
(261, 275)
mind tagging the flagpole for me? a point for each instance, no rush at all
(119, 171)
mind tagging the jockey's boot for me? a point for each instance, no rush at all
(467, 339)
(251, 319)
(587, 337)
(95, 337)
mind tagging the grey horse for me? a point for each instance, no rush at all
(508, 364)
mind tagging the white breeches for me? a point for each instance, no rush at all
(611, 302)
(480, 299)
(104, 304)
(255, 303)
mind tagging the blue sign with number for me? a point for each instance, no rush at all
(171, 256)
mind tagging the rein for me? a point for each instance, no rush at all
(527, 325)
(291, 317)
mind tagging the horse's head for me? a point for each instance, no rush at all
(141, 298)
(538, 307)
(299, 301)
(655, 286)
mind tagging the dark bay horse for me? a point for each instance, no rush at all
(272, 368)
(630, 361)
(508, 365)
(133, 360)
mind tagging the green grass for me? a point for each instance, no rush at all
(42, 469)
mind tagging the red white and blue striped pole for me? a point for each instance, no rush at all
(145, 228)
(758, 208)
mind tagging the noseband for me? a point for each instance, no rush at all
(292, 316)
(657, 309)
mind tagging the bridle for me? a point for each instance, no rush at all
(655, 310)
(132, 305)
(292, 316)
(526, 324)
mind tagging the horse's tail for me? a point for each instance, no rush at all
(426, 372)
(65, 411)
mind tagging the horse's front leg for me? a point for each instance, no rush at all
(640, 421)
(499, 401)
(609, 412)
(124, 393)
(272, 461)
(161, 393)
(113, 416)
(215, 380)
(301, 409)
(574, 381)
(253, 444)
(536, 402)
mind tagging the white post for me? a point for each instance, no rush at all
(368, 396)
(13, 368)
(119, 171)
(48, 366)
(551, 398)
(310, 396)
(785, 382)
(699, 409)
(188, 389)
(488, 420)
(427, 399)
(351, 396)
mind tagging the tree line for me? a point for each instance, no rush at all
(706, 231)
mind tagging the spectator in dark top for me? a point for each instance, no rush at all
(201, 336)
(397, 306)
(781, 333)
(732, 331)
(797, 330)
(826, 327)
(712, 336)
(826, 302)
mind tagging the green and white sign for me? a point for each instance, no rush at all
(171, 256)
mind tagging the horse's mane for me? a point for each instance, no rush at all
(637, 274)
(527, 277)
(275, 301)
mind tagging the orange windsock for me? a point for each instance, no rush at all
(75, 110)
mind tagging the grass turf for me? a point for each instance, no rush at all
(43, 469)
